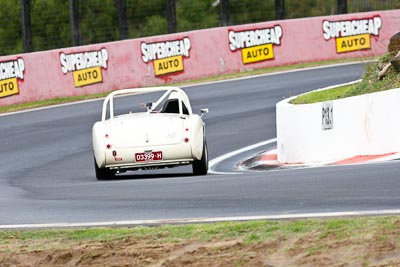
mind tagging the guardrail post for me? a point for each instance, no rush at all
(280, 9)
(74, 18)
(122, 19)
(225, 16)
(26, 25)
(171, 15)
(342, 6)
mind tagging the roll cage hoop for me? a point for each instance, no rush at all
(183, 99)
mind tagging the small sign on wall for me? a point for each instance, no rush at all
(327, 116)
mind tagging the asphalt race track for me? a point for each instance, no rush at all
(47, 173)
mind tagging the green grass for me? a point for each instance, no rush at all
(369, 84)
(251, 232)
(325, 95)
(57, 101)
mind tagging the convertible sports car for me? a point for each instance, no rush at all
(164, 134)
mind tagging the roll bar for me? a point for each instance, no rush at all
(109, 100)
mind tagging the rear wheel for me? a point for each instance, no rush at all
(103, 173)
(200, 167)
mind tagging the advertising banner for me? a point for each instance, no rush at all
(191, 55)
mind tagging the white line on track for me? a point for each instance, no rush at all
(212, 163)
(216, 161)
(191, 85)
(277, 73)
(205, 220)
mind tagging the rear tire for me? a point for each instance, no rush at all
(103, 173)
(200, 167)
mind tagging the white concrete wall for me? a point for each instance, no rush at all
(361, 125)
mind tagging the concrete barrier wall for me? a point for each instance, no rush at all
(339, 129)
(190, 55)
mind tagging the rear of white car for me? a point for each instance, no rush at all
(152, 139)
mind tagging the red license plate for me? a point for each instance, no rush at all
(148, 156)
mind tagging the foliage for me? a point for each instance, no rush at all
(251, 11)
(98, 19)
(369, 84)
(10, 31)
(50, 24)
(193, 15)
(143, 14)
(154, 25)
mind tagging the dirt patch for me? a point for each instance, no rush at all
(375, 247)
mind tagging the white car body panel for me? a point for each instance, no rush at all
(178, 136)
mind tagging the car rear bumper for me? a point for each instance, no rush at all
(180, 154)
(150, 165)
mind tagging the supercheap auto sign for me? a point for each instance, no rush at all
(255, 45)
(167, 57)
(86, 67)
(10, 72)
(352, 35)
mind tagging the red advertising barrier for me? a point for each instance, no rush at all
(190, 55)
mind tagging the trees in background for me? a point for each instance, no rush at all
(52, 24)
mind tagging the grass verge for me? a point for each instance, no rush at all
(249, 232)
(361, 241)
(369, 84)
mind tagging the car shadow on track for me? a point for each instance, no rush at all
(143, 176)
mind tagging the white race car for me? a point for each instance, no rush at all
(165, 134)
